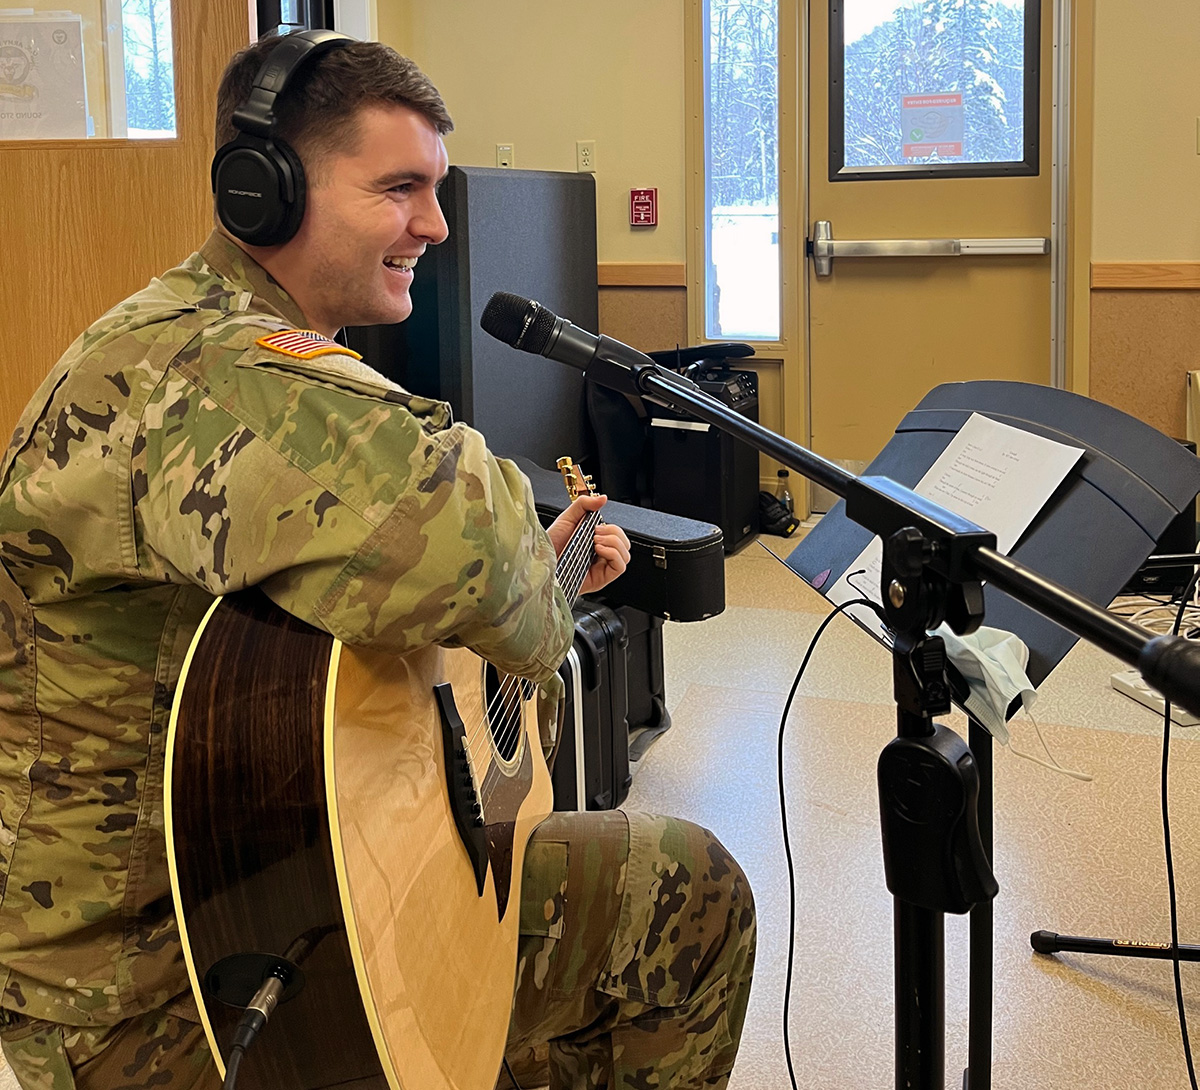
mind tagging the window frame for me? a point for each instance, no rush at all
(785, 153)
(1030, 166)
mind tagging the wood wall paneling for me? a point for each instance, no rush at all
(646, 274)
(649, 319)
(1143, 344)
(1149, 275)
(88, 222)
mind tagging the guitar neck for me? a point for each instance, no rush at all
(577, 557)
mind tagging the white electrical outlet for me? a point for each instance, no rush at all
(585, 156)
(505, 156)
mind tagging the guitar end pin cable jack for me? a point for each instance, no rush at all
(262, 1005)
(258, 1010)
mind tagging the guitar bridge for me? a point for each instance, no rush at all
(465, 804)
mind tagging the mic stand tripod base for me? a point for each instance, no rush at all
(1049, 942)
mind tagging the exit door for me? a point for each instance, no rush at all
(929, 228)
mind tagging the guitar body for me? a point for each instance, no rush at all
(314, 789)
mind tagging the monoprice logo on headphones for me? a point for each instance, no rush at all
(16, 63)
(242, 193)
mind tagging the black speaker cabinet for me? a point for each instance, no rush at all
(706, 474)
(529, 232)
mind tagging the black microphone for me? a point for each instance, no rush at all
(529, 326)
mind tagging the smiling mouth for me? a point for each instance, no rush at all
(399, 264)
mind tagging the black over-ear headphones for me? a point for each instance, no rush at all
(258, 179)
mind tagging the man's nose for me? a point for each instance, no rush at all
(431, 224)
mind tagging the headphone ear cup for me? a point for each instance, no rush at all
(293, 212)
(252, 180)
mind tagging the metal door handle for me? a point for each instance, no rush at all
(825, 248)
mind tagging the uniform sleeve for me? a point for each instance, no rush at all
(462, 559)
(350, 512)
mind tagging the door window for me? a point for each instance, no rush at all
(933, 88)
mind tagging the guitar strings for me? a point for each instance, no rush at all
(503, 719)
(572, 569)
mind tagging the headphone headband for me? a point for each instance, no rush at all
(257, 114)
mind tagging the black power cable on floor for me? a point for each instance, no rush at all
(1166, 817)
(787, 847)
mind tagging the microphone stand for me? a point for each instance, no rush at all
(934, 564)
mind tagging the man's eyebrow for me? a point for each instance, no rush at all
(401, 177)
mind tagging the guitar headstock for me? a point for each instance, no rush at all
(578, 483)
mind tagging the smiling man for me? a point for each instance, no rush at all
(208, 434)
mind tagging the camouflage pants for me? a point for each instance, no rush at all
(634, 968)
(633, 973)
(156, 1049)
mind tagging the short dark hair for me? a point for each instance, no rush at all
(317, 112)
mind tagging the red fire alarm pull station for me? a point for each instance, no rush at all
(643, 207)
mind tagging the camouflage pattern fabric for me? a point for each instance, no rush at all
(166, 459)
(156, 1049)
(636, 953)
(634, 964)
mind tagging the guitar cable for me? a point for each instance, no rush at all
(1166, 820)
(787, 846)
(262, 1005)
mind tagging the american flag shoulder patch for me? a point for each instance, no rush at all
(303, 344)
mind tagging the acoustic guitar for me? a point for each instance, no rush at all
(356, 822)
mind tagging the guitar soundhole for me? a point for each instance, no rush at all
(504, 694)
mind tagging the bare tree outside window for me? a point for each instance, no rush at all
(149, 67)
(966, 57)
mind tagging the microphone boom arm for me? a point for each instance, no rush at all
(1170, 663)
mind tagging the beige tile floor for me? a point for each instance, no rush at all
(1079, 858)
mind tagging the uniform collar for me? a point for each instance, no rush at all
(235, 265)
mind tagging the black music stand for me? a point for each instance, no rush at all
(1093, 534)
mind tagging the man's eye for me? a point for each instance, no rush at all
(403, 187)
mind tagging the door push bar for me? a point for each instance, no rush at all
(824, 248)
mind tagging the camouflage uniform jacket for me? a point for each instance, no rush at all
(168, 458)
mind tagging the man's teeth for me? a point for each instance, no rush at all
(400, 262)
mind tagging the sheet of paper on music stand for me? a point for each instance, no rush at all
(996, 475)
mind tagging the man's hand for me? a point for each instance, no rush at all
(610, 544)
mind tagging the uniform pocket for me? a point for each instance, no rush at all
(544, 889)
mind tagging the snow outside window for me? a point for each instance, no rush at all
(741, 123)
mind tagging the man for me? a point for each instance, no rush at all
(188, 445)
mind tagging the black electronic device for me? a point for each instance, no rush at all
(704, 473)
(276, 17)
(257, 178)
(1178, 538)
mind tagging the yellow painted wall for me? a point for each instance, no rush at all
(1146, 202)
(542, 74)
